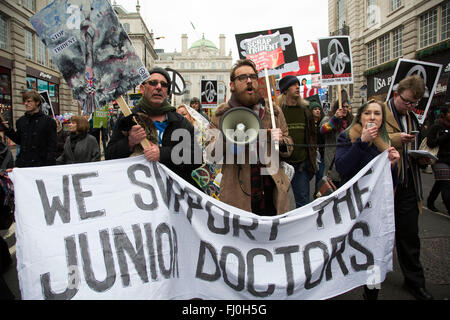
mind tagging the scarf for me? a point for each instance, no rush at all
(76, 137)
(152, 111)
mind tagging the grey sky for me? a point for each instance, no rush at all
(172, 18)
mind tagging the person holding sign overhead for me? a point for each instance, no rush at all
(159, 122)
(401, 125)
(244, 185)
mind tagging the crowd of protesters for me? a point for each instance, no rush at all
(338, 145)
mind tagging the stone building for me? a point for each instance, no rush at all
(201, 61)
(25, 63)
(383, 31)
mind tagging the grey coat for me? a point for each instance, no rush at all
(86, 150)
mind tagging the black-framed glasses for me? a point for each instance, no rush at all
(244, 77)
(407, 102)
(154, 83)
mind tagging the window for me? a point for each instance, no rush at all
(214, 66)
(29, 45)
(341, 13)
(385, 48)
(372, 54)
(445, 29)
(395, 4)
(372, 10)
(428, 28)
(29, 4)
(397, 46)
(181, 65)
(41, 52)
(3, 32)
(192, 65)
(126, 27)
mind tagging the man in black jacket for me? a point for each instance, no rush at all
(35, 133)
(159, 122)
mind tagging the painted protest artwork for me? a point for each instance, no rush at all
(335, 58)
(287, 46)
(265, 51)
(430, 72)
(91, 49)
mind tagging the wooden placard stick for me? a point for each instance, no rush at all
(274, 87)
(269, 96)
(126, 112)
(339, 95)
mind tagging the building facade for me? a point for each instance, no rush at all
(25, 63)
(383, 31)
(201, 61)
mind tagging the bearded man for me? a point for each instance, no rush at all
(246, 186)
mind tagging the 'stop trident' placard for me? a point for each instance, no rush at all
(91, 49)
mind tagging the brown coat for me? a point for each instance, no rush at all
(236, 193)
(394, 132)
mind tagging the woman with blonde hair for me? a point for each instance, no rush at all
(361, 142)
(80, 146)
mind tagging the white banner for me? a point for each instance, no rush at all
(131, 229)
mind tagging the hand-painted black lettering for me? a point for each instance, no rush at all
(147, 186)
(226, 251)
(287, 251)
(320, 212)
(226, 221)
(72, 262)
(123, 244)
(309, 284)
(348, 200)
(201, 262)
(162, 229)
(251, 272)
(356, 245)
(50, 211)
(151, 250)
(92, 282)
(274, 229)
(175, 254)
(358, 196)
(193, 205)
(336, 253)
(237, 225)
(80, 195)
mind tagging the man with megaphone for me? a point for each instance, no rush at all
(252, 178)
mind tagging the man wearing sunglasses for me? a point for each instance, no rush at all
(245, 186)
(155, 119)
(401, 125)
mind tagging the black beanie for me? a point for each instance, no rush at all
(286, 82)
(164, 73)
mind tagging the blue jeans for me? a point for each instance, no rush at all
(300, 183)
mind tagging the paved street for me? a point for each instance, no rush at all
(435, 257)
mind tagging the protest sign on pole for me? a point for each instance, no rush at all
(265, 51)
(164, 239)
(336, 66)
(209, 93)
(92, 51)
(46, 105)
(287, 45)
(430, 73)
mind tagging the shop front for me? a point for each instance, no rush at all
(40, 81)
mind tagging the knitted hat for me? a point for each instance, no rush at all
(164, 73)
(286, 82)
(314, 104)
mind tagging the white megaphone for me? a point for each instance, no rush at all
(240, 126)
